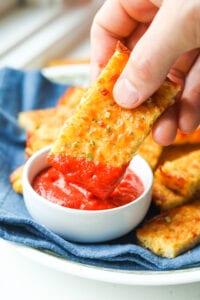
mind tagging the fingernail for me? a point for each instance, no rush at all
(125, 93)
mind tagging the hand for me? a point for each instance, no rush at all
(165, 38)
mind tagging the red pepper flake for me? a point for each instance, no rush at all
(104, 92)
(101, 123)
(114, 77)
(101, 66)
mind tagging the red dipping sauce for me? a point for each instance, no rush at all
(53, 186)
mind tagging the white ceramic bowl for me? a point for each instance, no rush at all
(86, 225)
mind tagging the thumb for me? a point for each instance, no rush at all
(154, 55)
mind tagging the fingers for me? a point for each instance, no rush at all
(161, 49)
(132, 40)
(100, 51)
(186, 114)
(107, 29)
(158, 3)
(164, 131)
(182, 66)
(189, 106)
(154, 54)
(116, 20)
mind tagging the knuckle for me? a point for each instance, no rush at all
(178, 76)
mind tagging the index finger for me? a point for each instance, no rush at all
(116, 20)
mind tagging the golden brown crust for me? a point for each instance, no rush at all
(43, 126)
(175, 186)
(44, 136)
(176, 151)
(47, 123)
(102, 129)
(16, 179)
(163, 197)
(187, 138)
(183, 174)
(71, 99)
(31, 120)
(172, 232)
(65, 107)
(150, 151)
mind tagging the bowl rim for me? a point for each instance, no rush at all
(26, 183)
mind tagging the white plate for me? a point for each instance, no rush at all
(69, 74)
(135, 278)
(79, 75)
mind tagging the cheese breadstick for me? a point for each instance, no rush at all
(97, 143)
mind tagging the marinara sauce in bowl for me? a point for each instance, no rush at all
(76, 214)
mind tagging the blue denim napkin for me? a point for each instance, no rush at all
(25, 90)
